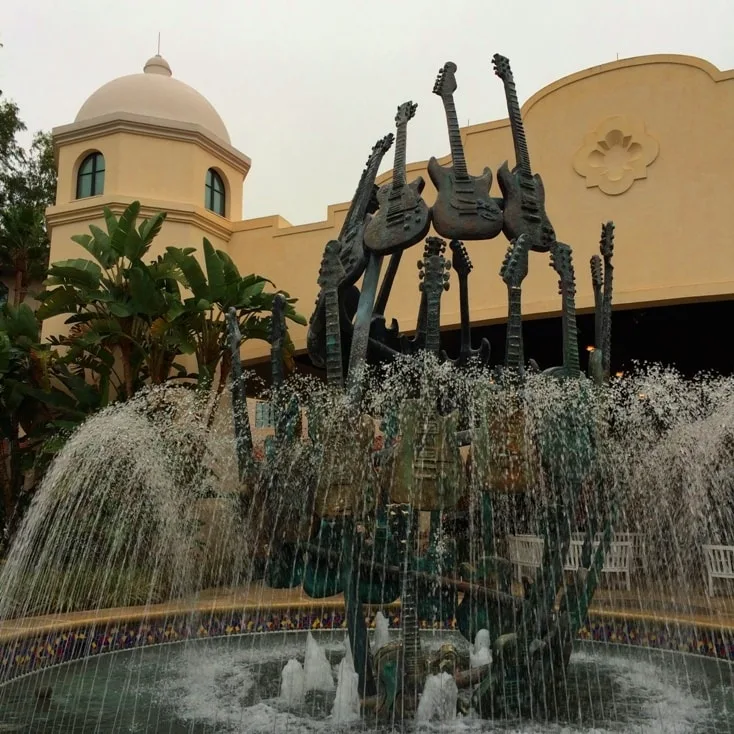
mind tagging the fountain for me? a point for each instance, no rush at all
(415, 485)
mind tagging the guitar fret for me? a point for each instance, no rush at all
(457, 149)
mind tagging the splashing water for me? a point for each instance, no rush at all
(144, 505)
(316, 668)
(382, 632)
(438, 702)
(293, 683)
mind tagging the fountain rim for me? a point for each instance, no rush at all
(675, 630)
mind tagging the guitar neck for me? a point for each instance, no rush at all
(570, 333)
(334, 369)
(522, 157)
(598, 316)
(465, 315)
(457, 148)
(358, 208)
(409, 613)
(276, 348)
(433, 323)
(606, 353)
(398, 173)
(514, 357)
(387, 283)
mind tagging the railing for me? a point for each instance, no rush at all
(526, 551)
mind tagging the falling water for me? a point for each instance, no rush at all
(143, 505)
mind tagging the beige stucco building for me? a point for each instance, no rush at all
(647, 142)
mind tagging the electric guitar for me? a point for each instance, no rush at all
(403, 217)
(523, 191)
(606, 247)
(462, 265)
(463, 210)
(352, 254)
(561, 262)
(331, 275)
(513, 271)
(387, 335)
(434, 247)
(596, 283)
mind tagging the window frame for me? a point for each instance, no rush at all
(213, 180)
(95, 174)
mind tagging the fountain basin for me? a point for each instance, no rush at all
(232, 685)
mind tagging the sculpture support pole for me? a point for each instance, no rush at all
(362, 323)
(242, 433)
(356, 624)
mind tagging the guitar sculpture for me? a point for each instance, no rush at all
(513, 271)
(463, 210)
(462, 265)
(596, 283)
(434, 247)
(561, 262)
(403, 217)
(351, 252)
(523, 191)
(606, 247)
(331, 275)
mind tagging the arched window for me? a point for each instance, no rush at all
(214, 194)
(90, 179)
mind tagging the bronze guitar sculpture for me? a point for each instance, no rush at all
(434, 247)
(463, 210)
(523, 191)
(513, 271)
(352, 254)
(403, 217)
(463, 266)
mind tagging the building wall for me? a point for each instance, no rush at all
(673, 235)
(646, 142)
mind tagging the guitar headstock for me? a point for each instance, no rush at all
(382, 146)
(445, 84)
(332, 271)
(502, 69)
(596, 277)
(606, 244)
(434, 246)
(460, 258)
(562, 262)
(406, 112)
(515, 265)
(434, 267)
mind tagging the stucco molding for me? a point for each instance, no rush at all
(616, 154)
(151, 127)
(713, 72)
(93, 208)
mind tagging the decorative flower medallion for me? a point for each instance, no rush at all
(615, 154)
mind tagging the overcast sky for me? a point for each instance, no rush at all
(305, 88)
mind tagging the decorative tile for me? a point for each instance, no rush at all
(28, 655)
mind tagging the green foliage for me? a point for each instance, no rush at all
(131, 317)
(27, 187)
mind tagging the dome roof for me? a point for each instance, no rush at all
(154, 93)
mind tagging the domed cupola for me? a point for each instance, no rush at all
(154, 94)
(150, 137)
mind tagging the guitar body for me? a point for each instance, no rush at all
(387, 335)
(518, 219)
(464, 210)
(402, 219)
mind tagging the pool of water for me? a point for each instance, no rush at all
(232, 685)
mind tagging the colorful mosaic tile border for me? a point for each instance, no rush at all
(25, 656)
